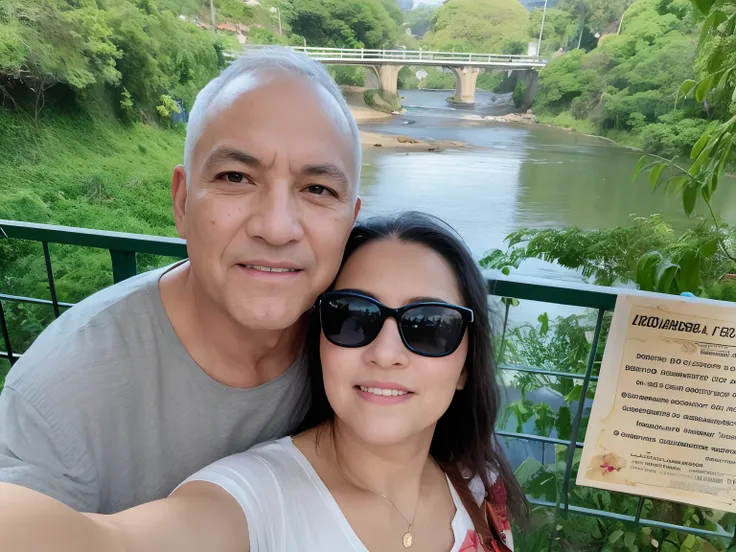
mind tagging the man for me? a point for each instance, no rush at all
(142, 384)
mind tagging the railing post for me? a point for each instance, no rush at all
(6, 335)
(581, 408)
(123, 265)
(50, 275)
(361, 53)
(420, 53)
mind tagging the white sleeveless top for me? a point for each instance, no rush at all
(289, 508)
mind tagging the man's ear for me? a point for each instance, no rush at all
(358, 205)
(179, 199)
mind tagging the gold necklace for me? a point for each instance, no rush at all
(406, 539)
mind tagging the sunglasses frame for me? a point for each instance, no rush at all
(467, 318)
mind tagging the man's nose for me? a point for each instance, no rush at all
(276, 217)
(387, 350)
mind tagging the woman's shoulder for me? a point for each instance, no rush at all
(270, 463)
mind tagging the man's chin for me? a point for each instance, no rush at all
(268, 317)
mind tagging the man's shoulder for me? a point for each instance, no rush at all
(99, 330)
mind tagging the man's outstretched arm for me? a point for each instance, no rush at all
(198, 516)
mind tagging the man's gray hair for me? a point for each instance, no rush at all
(264, 59)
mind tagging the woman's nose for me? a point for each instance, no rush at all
(387, 350)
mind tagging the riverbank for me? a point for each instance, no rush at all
(365, 114)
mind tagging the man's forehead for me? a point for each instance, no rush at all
(278, 84)
(246, 99)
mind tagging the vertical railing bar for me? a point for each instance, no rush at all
(581, 407)
(639, 508)
(6, 335)
(50, 275)
(503, 333)
(544, 448)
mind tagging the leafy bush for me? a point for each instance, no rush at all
(648, 253)
(628, 82)
(382, 100)
(672, 140)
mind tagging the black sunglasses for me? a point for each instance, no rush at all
(431, 329)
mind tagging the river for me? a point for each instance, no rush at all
(515, 176)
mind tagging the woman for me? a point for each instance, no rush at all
(398, 450)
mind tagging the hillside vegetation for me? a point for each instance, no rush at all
(625, 87)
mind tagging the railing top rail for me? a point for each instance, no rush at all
(402, 52)
(102, 239)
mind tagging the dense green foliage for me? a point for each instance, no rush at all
(383, 100)
(477, 25)
(647, 253)
(713, 153)
(627, 83)
(340, 24)
(69, 55)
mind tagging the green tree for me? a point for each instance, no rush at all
(477, 25)
(712, 154)
(627, 83)
(341, 24)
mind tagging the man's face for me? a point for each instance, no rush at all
(271, 201)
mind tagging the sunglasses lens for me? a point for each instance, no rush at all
(350, 321)
(432, 330)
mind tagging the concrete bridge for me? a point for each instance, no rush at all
(465, 66)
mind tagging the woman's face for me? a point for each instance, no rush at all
(396, 274)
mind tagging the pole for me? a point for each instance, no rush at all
(212, 14)
(541, 30)
(582, 27)
(279, 12)
(621, 22)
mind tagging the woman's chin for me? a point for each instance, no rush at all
(380, 435)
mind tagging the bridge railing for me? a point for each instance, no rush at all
(123, 249)
(366, 54)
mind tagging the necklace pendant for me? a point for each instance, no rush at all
(406, 539)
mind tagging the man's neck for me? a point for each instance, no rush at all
(395, 471)
(225, 350)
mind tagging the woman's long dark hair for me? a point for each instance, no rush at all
(465, 434)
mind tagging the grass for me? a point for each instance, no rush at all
(77, 172)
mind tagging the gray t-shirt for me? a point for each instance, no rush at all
(107, 409)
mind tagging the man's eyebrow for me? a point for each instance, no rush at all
(229, 154)
(329, 170)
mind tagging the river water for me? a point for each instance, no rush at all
(514, 176)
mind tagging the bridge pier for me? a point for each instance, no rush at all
(465, 79)
(388, 77)
(530, 79)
